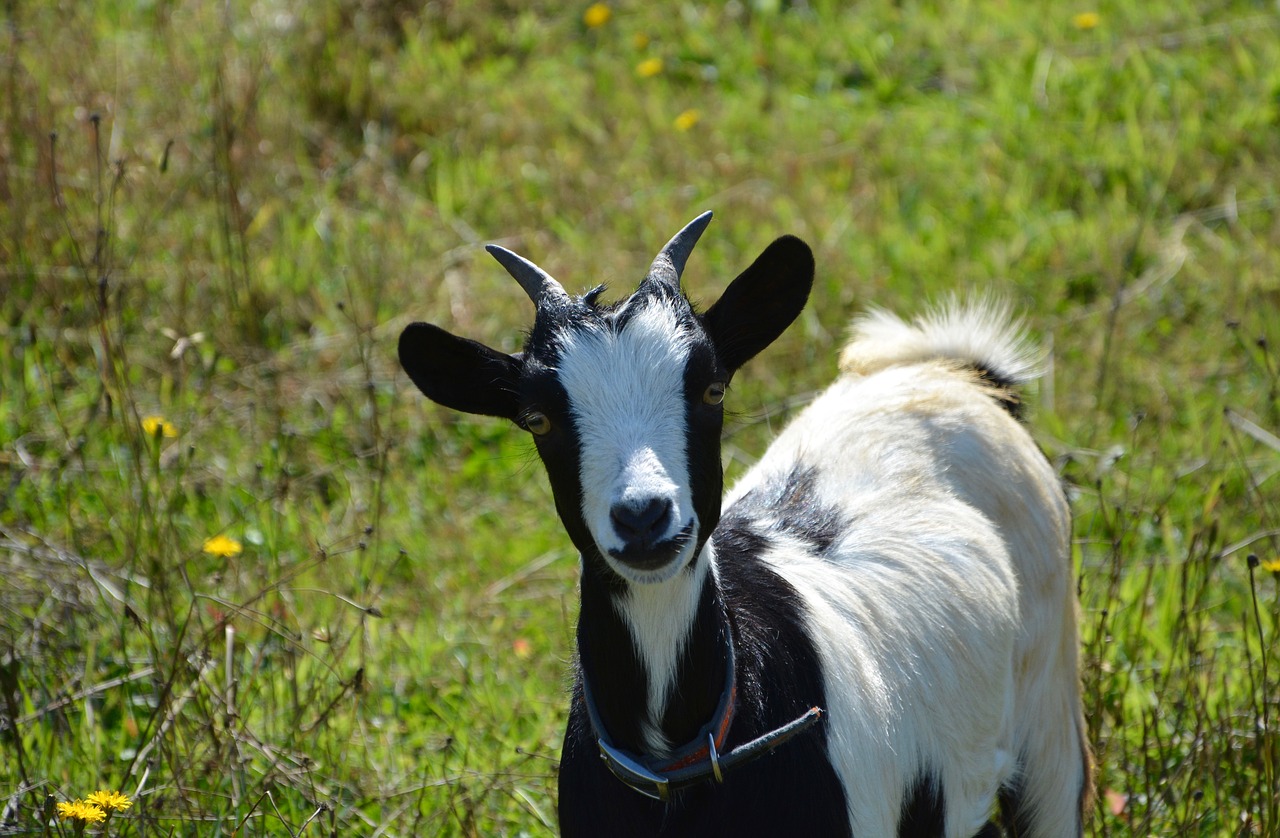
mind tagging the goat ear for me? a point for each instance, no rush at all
(459, 373)
(761, 303)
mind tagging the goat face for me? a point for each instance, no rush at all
(623, 401)
(628, 432)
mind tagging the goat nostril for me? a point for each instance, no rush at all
(643, 521)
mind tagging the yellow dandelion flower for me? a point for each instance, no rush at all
(597, 15)
(649, 68)
(1272, 565)
(113, 800)
(222, 546)
(81, 811)
(687, 120)
(91, 814)
(158, 426)
(1086, 20)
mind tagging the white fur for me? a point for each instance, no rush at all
(660, 617)
(995, 467)
(943, 614)
(982, 332)
(626, 391)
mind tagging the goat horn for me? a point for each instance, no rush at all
(537, 283)
(670, 261)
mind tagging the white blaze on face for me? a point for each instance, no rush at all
(626, 392)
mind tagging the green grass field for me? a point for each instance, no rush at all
(245, 202)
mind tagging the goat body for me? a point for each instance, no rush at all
(898, 558)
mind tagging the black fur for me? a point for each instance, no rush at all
(790, 507)
(739, 324)
(1005, 392)
(793, 791)
(706, 475)
(1012, 816)
(924, 808)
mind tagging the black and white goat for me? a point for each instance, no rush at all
(875, 637)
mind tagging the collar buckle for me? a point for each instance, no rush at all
(714, 756)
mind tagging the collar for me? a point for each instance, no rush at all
(701, 758)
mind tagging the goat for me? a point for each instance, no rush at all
(873, 635)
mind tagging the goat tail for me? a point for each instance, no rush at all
(980, 334)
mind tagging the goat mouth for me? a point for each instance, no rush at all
(650, 557)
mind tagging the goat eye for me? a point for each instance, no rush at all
(714, 394)
(536, 423)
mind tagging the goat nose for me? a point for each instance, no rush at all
(641, 522)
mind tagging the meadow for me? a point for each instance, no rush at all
(251, 579)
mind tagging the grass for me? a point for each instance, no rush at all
(246, 202)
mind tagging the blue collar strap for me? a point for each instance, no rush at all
(700, 759)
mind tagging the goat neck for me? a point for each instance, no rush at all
(655, 657)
